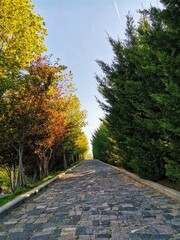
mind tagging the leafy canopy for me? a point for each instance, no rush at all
(22, 35)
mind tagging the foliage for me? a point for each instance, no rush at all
(22, 35)
(4, 179)
(89, 156)
(42, 115)
(141, 93)
(173, 171)
(21, 41)
(41, 119)
(104, 147)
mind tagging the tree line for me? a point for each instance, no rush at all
(41, 119)
(141, 91)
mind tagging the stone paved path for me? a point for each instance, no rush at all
(94, 201)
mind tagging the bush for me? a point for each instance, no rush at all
(4, 180)
(173, 171)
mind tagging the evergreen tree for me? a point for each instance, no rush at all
(104, 146)
(141, 92)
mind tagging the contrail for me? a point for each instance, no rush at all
(117, 10)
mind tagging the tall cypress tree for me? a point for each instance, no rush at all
(104, 146)
(141, 93)
(164, 39)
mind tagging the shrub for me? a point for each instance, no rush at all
(173, 171)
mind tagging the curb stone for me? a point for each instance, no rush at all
(8, 207)
(173, 194)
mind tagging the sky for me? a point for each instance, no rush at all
(77, 34)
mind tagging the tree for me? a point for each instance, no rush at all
(104, 146)
(164, 39)
(75, 120)
(21, 41)
(81, 146)
(17, 121)
(53, 87)
(140, 89)
(29, 121)
(22, 35)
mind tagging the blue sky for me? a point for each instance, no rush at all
(77, 34)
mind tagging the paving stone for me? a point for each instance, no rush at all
(41, 207)
(30, 220)
(145, 236)
(52, 209)
(85, 237)
(41, 238)
(94, 201)
(3, 234)
(24, 220)
(103, 235)
(96, 223)
(41, 220)
(147, 214)
(68, 232)
(86, 208)
(81, 231)
(50, 229)
(90, 230)
(105, 223)
(76, 217)
(17, 230)
(152, 230)
(134, 236)
(10, 222)
(168, 216)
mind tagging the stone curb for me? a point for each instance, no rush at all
(173, 194)
(8, 207)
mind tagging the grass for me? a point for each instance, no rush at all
(7, 199)
(28, 187)
(4, 180)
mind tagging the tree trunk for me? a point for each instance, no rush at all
(40, 169)
(64, 160)
(20, 178)
(46, 167)
(34, 177)
(11, 179)
(11, 174)
(14, 177)
(46, 163)
(72, 159)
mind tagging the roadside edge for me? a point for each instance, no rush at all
(168, 192)
(8, 207)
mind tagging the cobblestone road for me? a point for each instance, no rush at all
(94, 201)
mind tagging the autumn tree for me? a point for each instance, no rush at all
(53, 86)
(26, 121)
(75, 120)
(40, 115)
(17, 122)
